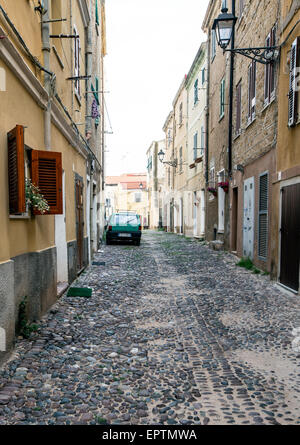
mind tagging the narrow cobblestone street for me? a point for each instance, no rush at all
(174, 334)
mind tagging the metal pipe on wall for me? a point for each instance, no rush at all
(46, 53)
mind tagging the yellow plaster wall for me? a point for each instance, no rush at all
(18, 107)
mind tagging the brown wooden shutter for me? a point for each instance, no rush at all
(16, 170)
(46, 172)
(292, 91)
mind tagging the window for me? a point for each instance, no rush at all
(202, 141)
(46, 174)
(203, 76)
(213, 44)
(212, 177)
(77, 61)
(97, 12)
(294, 82)
(263, 216)
(180, 160)
(222, 98)
(270, 70)
(195, 145)
(169, 138)
(149, 164)
(238, 125)
(242, 5)
(196, 92)
(251, 91)
(180, 114)
(138, 197)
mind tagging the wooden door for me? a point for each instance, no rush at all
(79, 222)
(290, 237)
(248, 235)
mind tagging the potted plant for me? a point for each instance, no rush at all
(224, 186)
(34, 198)
(213, 190)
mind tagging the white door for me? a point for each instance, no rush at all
(195, 213)
(202, 218)
(61, 243)
(248, 228)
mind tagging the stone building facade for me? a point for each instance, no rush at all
(217, 224)
(254, 134)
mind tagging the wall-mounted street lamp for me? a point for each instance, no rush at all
(224, 27)
(161, 156)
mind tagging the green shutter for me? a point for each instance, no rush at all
(97, 13)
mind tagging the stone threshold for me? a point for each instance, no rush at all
(61, 288)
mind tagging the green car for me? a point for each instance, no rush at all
(124, 226)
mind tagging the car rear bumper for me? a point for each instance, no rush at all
(123, 236)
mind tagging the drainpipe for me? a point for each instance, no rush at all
(207, 111)
(88, 127)
(47, 78)
(231, 97)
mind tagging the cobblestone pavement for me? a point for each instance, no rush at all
(174, 334)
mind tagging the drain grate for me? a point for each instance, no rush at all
(96, 263)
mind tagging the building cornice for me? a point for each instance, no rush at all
(196, 63)
(170, 115)
(84, 10)
(14, 60)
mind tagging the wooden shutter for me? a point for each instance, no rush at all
(263, 215)
(16, 170)
(293, 97)
(46, 174)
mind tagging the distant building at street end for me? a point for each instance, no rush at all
(127, 192)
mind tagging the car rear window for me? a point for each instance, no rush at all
(125, 220)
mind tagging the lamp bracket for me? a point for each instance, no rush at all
(265, 54)
(171, 163)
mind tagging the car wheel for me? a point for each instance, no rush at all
(138, 242)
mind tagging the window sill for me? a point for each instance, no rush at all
(78, 98)
(267, 105)
(250, 123)
(22, 216)
(237, 135)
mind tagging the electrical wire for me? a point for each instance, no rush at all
(36, 62)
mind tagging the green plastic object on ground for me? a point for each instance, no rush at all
(80, 292)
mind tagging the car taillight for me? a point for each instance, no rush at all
(110, 228)
(140, 227)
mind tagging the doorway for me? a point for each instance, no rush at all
(79, 221)
(248, 229)
(290, 237)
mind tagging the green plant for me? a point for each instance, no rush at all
(24, 328)
(246, 263)
(100, 420)
(34, 198)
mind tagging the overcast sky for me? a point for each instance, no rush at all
(151, 46)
